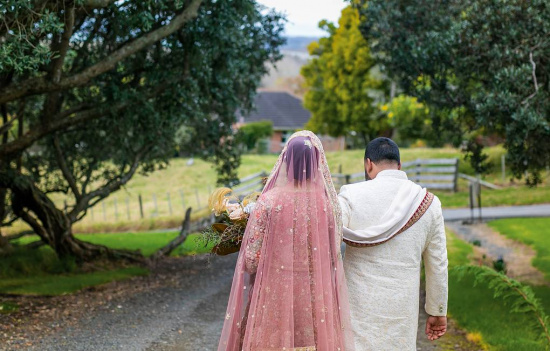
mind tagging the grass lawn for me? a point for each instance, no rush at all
(146, 242)
(8, 307)
(476, 310)
(61, 284)
(534, 232)
(41, 272)
(516, 195)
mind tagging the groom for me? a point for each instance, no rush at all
(390, 225)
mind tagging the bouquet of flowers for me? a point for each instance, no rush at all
(232, 216)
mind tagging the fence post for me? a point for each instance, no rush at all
(471, 193)
(128, 207)
(348, 178)
(156, 213)
(479, 196)
(182, 199)
(503, 168)
(198, 200)
(169, 203)
(116, 209)
(140, 205)
(455, 188)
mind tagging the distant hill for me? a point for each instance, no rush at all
(285, 75)
(298, 43)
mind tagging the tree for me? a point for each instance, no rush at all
(342, 90)
(484, 64)
(408, 118)
(250, 133)
(93, 91)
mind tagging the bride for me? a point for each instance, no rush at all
(289, 291)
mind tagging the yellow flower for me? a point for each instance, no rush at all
(384, 107)
(218, 200)
(390, 115)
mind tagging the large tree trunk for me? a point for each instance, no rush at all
(52, 225)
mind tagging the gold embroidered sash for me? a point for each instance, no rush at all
(424, 205)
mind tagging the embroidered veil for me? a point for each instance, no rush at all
(289, 290)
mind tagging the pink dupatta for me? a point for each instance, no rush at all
(289, 290)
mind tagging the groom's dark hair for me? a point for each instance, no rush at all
(383, 150)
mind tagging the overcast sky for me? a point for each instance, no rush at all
(304, 15)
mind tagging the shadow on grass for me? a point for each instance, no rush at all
(41, 272)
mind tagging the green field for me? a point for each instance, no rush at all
(534, 232)
(476, 310)
(41, 272)
(190, 185)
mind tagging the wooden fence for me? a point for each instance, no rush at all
(439, 173)
(250, 184)
(430, 173)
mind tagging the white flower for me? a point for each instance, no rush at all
(249, 208)
(237, 214)
(230, 207)
(308, 143)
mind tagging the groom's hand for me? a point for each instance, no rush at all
(436, 327)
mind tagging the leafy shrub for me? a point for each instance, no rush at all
(251, 133)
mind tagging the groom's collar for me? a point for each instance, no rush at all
(392, 173)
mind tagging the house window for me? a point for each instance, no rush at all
(284, 136)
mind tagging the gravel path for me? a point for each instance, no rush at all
(184, 311)
(153, 319)
(518, 256)
(463, 214)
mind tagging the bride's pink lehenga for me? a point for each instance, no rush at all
(289, 290)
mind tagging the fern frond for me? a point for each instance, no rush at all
(521, 298)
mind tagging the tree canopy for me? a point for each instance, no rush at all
(93, 91)
(342, 92)
(482, 64)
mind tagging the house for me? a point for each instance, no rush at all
(288, 115)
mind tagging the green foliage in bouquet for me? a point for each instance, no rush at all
(232, 217)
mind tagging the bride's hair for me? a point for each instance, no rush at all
(302, 160)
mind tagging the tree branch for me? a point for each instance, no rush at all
(6, 126)
(184, 232)
(35, 225)
(19, 235)
(65, 169)
(35, 134)
(84, 202)
(63, 46)
(96, 4)
(534, 74)
(40, 85)
(67, 119)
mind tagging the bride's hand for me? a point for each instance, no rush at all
(436, 327)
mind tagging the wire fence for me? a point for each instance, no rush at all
(117, 208)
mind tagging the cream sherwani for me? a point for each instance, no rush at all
(384, 280)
